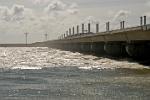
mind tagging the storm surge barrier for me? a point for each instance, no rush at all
(131, 41)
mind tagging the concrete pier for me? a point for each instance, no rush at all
(138, 49)
(115, 48)
(126, 41)
(85, 47)
(98, 48)
(133, 42)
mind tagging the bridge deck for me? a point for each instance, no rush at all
(139, 33)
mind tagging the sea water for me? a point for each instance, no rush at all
(50, 74)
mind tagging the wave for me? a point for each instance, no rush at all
(39, 57)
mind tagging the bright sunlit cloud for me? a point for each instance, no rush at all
(54, 17)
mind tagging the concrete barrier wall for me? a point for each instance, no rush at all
(132, 41)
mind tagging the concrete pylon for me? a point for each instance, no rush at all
(115, 49)
(97, 28)
(77, 29)
(98, 48)
(73, 30)
(66, 33)
(82, 28)
(141, 21)
(144, 20)
(85, 47)
(121, 25)
(138, 50)
(69, 31)
(107, 26)
(89, 27)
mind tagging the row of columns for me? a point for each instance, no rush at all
(116, 49)
(143, 20)
(71, 31)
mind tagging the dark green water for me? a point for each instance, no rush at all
(71, 83)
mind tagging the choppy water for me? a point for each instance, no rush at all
(49, 74)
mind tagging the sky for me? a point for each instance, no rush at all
(55, 17)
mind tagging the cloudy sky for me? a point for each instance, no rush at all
(54, 17)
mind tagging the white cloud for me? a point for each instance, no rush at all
(19, 19)
(73, 9)
(74, 5)
(17, 9)
(56, 5)
(121, 15)
(59, 8)
(90, 19)
(40, 2)
(4, 13)
(16, 13)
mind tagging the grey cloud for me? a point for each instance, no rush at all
(56, 5)
(17, 10)
(72, 11)
(90, 19)
(41, 2)
(121, 15)
(16, 13)
(58, 8)
(4, 13)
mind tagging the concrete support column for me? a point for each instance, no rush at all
(76, 47)
(89, 27)
(122, 24)
(98, 48)
(69, 31)
(73, 31)
(85, 47)
(141, 21)
(97, 28)
(65, 46)
(61, 46)
(138, 50)
(77, 29)
(144, 20)
(69, 47)
(64, 35)
(115, 49)
(82, 28)
(107, 26)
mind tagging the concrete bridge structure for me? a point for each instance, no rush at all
(132, 41)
